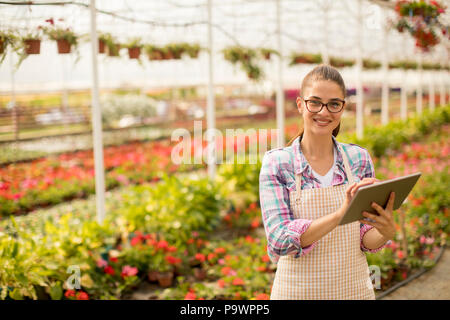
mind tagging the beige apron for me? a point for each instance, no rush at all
(335, 268)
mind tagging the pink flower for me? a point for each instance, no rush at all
(101, 263)
(128, 271)
(422, 239)
(221, 261)
(429, 240)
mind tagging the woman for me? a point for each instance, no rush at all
(305, 189)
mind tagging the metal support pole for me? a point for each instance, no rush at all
(210, 112)
(359, 85)
(13, 105)
(385, 83)
(419, 94)
(280, 92)
(97, 123)
(431, 103)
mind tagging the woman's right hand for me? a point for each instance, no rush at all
(350, 193)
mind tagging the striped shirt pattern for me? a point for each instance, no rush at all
(277, 180)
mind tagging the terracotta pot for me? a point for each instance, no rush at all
(32, 46)
(2, 46)
(200, 273)
(115, 54)
(153, 276)
(165, 279)
(101, 46)
(267, 56)
(63, 46)
(134, 53)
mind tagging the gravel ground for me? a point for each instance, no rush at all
(432, 285)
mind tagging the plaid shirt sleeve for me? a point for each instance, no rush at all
(367, 166)
(283, 232)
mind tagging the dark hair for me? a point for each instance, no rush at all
(321, 72)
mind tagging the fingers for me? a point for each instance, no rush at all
(390, 204)
(374, 224)
(371, 216)
(361, 184)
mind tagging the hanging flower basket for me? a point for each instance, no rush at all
(32, 46)
(134, 53)
(153, 52)
(63, 46)
(113, 51)
(308, 58)
(267, 53)
(341, 63)
(101, 46)
(2, 46)
(370, 64)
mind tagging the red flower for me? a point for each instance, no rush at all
(238, 282)
(226, 271)
(171, 249)
(109, 270)
(113, 259)
(265, 258)
(200, 257)
(69, 294)
(211, 256)
(162, 244)
(249, 239)
(190, 241)
(253, 206)
(172, 260)
(190, 296)
(262, 296)
(255, 223)
(261, 268)
(400, 254)
(82, 296)
(135, 241)
(221, 283)
(220, 250)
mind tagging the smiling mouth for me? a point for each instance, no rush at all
(322, 122)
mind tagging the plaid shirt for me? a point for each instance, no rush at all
(277, 179)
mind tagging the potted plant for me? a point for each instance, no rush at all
(134, 48)
(32, 43)
(305, 58)
(153, 52)
(105, 40)
(193, 50)
(267, 53)
(174, 51)
(371, 64)
(6, 39)
(65, 38)
(341, 63)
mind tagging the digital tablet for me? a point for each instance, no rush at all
(379, 192)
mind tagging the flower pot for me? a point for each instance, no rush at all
(267, 56)
(63, 46)
(134, 53)
(114, 53)
(200, 274)
(2, 46)
(101, 46)
(165, 279)
(153, 276)
(32, 46)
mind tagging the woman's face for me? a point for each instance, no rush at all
(324, 122)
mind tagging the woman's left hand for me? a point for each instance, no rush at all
(384, 222)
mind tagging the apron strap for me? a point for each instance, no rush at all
(348, 171)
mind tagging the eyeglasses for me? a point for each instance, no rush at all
(315, 106)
